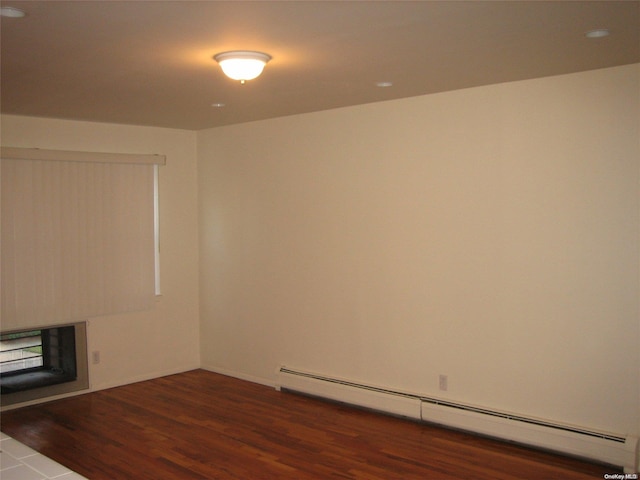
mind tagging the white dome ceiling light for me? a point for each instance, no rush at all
(242, 65)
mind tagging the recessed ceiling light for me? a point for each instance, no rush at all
(11, 12)
(598, 33)
(218, 105)
(384, 84)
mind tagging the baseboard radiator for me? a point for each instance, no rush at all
(604, 447)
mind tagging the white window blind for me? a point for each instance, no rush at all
(77, 235)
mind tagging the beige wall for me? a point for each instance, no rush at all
(165, 340)
(489, 234)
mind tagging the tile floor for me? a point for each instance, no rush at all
(19, 462)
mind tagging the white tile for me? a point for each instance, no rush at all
(21, 473)
(45, 465)
(71, 476)
(4, 436)
(8, 461)
(17, 449)
(19, 462)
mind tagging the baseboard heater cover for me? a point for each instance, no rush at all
(376, 398)
(604, 447)
(578, 442)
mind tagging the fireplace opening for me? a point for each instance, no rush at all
(38, 363)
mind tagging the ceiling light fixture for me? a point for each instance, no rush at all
(599, 33)
(11, 12)
(241, 64)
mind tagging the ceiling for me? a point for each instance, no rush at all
(150, 62)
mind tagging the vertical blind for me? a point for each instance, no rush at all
(77, 235)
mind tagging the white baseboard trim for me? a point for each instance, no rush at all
(143, 377)
(241, 376)
(103, 386)
(43, 400)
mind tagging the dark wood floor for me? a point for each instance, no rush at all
(200, 425)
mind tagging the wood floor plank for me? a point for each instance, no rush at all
(201, 425)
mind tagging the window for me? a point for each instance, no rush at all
(44, 362)
(37, 358)
(20, 351)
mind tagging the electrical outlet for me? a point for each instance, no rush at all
(95, 357)
(443, 382)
